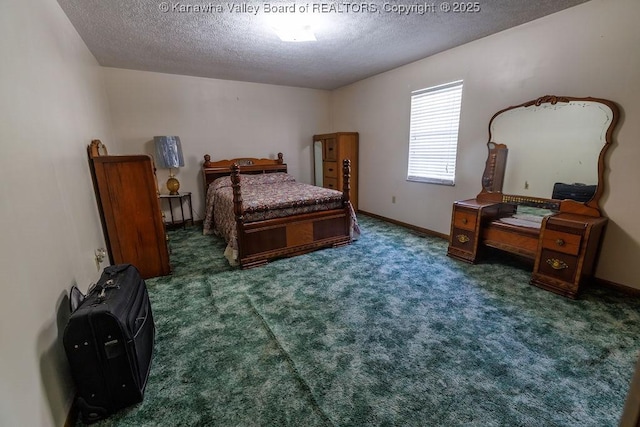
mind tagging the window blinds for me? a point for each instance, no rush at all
(433, 133)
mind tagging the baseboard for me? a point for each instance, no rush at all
(634, 292)
(415, 228)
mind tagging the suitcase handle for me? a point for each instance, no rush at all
(109, 284)
(113, 270)
(140, 321)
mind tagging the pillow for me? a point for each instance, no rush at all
(255, 179)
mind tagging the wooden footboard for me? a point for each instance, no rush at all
(260, 241)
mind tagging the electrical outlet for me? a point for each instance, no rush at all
(393, 199)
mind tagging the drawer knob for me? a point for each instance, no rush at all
(465, 220)
(557, 264)
(560, 242)
(462, 238)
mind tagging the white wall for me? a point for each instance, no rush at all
(52, 103)
(226, 119)
(588, 50)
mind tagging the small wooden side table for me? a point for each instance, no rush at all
(180, 198)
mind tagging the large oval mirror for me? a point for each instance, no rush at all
(555, 148)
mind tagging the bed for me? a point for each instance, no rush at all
(263, 213)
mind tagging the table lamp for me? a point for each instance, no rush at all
(169, 156)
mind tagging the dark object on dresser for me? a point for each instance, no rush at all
(127, 195)
(578, 192)
(109, 343)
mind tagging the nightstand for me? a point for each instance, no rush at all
(180, 199)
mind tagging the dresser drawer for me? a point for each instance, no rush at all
(465, 219)
(330, 149)
(330, 169)
(331, 183)
(558, 265)
(567, 243)
(463, 239)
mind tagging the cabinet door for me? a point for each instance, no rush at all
(318, 154)
(131, 210)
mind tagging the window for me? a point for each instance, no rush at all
(433, 133)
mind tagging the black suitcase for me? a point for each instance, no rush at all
(578, 192)
(109, 343)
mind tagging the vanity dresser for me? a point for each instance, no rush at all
(541, 188)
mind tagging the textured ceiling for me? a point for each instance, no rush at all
(352, 43)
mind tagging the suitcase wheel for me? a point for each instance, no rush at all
(90, 414)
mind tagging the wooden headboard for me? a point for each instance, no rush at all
(212, 170)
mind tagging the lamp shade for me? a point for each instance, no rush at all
(168, 152)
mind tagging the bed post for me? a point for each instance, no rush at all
(237, 194)
(237, 207)
(346, 184)
(346, 197)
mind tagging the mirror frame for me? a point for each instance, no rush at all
(493, 176)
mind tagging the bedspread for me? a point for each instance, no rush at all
(265, 196)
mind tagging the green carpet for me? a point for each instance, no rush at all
(387, 331)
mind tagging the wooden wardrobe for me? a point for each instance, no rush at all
(127, 195)
(329, 151)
